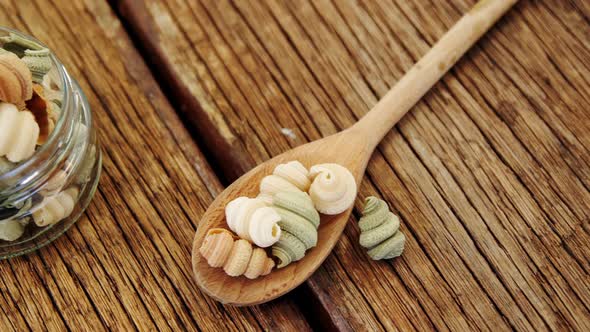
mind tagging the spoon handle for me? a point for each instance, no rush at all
(428, 70)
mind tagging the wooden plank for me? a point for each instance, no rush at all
(489, 172)
(126, 263)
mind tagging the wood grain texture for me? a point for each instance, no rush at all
(489, 173)
(351, 148)
(126, 264)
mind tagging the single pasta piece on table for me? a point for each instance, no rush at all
(333, 188)
(237, 257)
(380, 230)
(299, 226)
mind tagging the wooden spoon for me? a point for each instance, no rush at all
(351, 148)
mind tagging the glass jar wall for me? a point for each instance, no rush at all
(43, 195)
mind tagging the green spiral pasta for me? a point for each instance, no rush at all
(299, 203)
(39, 63)
(380, 230)
(18, 45)
(299, 226)
(288, 249)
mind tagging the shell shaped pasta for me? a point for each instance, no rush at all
(374, 214)
(16, 83)
(273, 184)
(266, 198)
(253, 221)
(257, 264)
(299, 227)
(373, 237)
(380, 230)
(55, 208)
(288, 249)
(239, 214)
(264, 229)
(11, 229)
(282, 256)
(299, 224)
(237, 257)
(299, 203)
(216, 247)
(291, 176)
(56, 182)
(232, 211)
(333, 189)
(268, 266)
(18, 133)
(18, 45)
(295, 173)
(390, 248)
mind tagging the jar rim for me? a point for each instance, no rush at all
(67, 99)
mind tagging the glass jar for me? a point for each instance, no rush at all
(42, 196)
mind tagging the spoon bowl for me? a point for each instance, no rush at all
(242, 291)
(350, 148)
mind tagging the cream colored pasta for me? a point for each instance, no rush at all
(295, 173)
(333, 188)
(55, 208)
(380, 230)
(264, 229)
(253, 221)
(237, 257)
(11, 229)
(238, 214)
(18, 133)
(299, 224)
(292, 176)
(257, 264)
(268, 266)
(56, 182)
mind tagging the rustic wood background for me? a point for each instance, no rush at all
(490, 173)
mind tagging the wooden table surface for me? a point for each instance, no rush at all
(489, 173)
